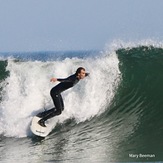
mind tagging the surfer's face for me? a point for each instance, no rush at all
(81, 75)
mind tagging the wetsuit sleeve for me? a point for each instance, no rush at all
(87, 74)
(69, 79)
(64, 80)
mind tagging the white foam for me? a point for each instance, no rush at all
(27, 91)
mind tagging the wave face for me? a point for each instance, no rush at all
(115, 112)
(136, 110)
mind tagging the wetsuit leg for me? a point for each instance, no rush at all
(45, 113)
(59, 106)
(58, 102)
(61, 100)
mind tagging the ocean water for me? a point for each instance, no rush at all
(114, 115)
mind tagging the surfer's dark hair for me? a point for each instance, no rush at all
(79, 70)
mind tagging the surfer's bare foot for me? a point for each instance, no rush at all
(41, 122)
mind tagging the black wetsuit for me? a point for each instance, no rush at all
(57, 98)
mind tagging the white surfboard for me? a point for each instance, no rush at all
(39, 130)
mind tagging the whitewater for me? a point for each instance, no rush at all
(26, 91)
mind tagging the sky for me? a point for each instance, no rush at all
(53, 25)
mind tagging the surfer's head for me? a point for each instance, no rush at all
(80, 73)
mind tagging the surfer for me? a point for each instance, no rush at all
(56, 94)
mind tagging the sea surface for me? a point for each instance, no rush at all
(114, 115)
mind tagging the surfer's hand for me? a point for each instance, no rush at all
(87, 74)
(53, 79)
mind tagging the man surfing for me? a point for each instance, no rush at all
(56, 94)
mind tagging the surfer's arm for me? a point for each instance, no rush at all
(69, 79)
(64, 80)
(87, 74)
(60, 80)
